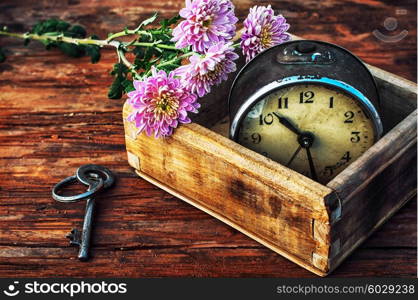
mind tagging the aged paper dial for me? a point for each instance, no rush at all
(313, 129)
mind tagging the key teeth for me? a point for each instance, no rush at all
(75, 237)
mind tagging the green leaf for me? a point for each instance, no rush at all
(119, 69)
(128, 85)
(149, 20)
(139, 52)
(94, 52)
(50, 25)
(55, 27)
(62, 26)
(116, 89)
(71, 50)
(169, 55)
(49, 45)
(169, 68)
(2, 56)
(78, 31)
(168, 22)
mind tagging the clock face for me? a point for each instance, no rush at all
(313, 129)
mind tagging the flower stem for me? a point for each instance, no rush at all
(162, 46)
(236, 45)
(120, 46)
(175, 59)
(57, 38)
(126, 62)
(170, 62)
(127, 32)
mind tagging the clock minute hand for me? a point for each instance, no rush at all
(311, 165)
(284, 121)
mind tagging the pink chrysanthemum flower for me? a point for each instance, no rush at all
(160, 102)
(212, 68)
(207, 22)
(262, 30)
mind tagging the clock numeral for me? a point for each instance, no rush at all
(331, 102)
(346, 156)
(267, 119)
(256, 137)
(349, 117)
(356, 137)
(283, 102)
(306, 97)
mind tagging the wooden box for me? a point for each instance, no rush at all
(316, 226)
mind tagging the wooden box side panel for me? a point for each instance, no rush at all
(374, 187)
(273, 203)
(398, 97)
(384, 178)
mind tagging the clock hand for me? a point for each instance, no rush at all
(284, 121)
(306, 140)
(311, 165)
(293, 156)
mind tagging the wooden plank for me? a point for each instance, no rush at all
(207, 209)
(196, 261)
(398, 97)
(393, 186)
(361, 235)
(370, 207)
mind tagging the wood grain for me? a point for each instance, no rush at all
(54, 116)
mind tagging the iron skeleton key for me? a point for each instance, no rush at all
(91, 175)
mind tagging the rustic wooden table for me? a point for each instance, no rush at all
(54, 117)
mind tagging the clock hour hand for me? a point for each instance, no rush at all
(284, 121)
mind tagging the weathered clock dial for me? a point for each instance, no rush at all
(313, 129)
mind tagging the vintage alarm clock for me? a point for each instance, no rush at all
(309, 105)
